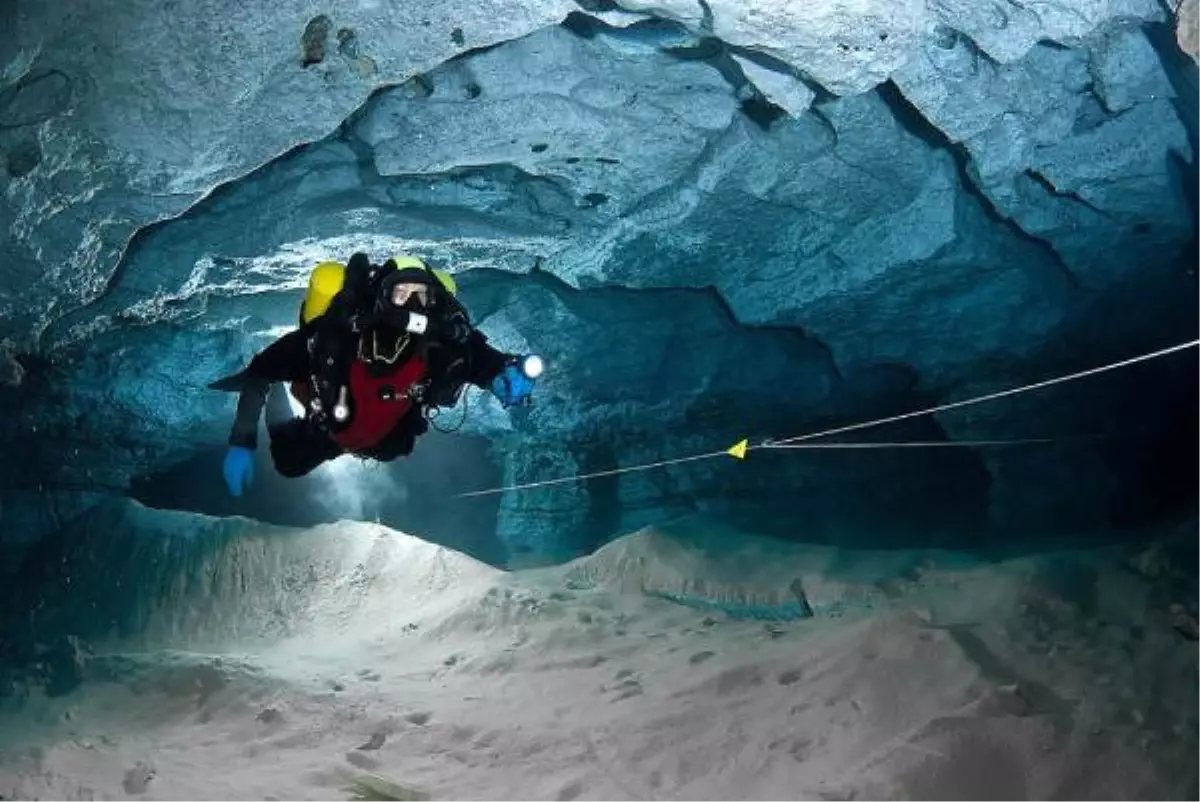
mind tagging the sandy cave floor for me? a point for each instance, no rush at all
(964, 683)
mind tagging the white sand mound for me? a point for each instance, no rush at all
(1055, 676)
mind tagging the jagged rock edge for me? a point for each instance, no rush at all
(906, 112)
(889, 91)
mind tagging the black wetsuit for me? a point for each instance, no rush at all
(298, 445)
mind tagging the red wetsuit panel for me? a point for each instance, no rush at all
(373, 416)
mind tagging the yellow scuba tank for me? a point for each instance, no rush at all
(446, 279)
(323, 283)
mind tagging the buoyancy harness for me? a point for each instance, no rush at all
(359, 391)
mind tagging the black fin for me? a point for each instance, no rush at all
(232, 383)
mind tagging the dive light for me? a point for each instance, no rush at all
(532, 366)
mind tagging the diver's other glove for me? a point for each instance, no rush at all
(239, 468)
(512, 386)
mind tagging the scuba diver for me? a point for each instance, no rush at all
(378, 347)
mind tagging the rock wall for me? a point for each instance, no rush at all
(715, 221)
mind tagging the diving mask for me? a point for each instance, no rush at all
(407, 294)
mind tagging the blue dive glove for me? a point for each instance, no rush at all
(239, 468)
(515, 383)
